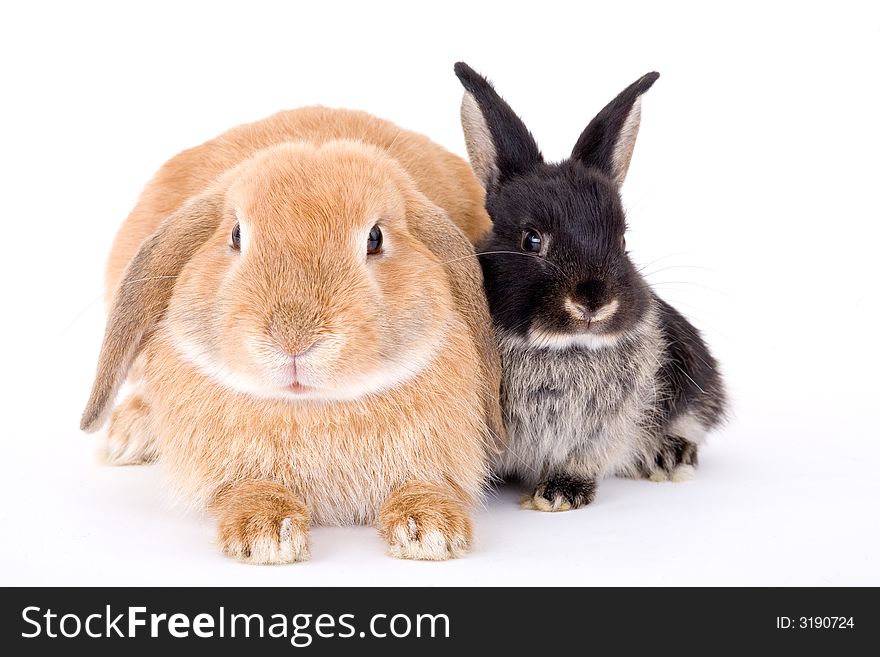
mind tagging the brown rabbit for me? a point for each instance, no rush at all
(298, 311)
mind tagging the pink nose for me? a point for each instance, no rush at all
(301, 349)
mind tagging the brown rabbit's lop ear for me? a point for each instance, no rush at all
(433, 228)
(142, 297)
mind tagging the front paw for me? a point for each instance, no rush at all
(561, 492)
(425, 521)
(260, 525)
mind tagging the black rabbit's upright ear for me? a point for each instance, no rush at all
(607, 143)
(499, 145)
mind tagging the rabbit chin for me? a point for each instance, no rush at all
(393, 373)
(544, 339)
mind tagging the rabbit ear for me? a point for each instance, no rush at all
(499, 145)
(142, 297)
(433, 228)
(607, 143)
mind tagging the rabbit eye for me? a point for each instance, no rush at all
(236, 237)
(623, 242)
(374, 241)
(532, 242)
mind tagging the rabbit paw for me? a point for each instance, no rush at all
(561, 492)
(262, 523)
(676, 460)
(678, 474)
(425, 521)
(130, 439)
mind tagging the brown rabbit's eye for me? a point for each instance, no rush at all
(236, 236)
(531, 242)
(374, 240)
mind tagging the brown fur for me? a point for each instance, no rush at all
(403, 378)
(443, 177)
(426, 521)
(251, 519)
(130, 436)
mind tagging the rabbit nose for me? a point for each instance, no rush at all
(300, 348)
(294, 332)
(582, 313)
(296, 347)
(294, 343)
(591, 294)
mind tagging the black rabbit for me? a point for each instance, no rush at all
(601, 376)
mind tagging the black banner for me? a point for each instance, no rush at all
(434, 621)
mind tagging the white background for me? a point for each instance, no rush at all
(752, 200)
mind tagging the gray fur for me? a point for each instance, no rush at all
(582, 411)
(600, 376)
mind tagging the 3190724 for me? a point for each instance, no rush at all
(815, 622)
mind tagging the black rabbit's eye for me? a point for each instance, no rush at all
(236, 236)
(374, 240)
(531, 242)
(623, 242)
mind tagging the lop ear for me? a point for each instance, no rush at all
(433, 228)
(142, 297)
(498, 143)
(607, 143)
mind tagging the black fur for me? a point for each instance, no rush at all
(575, 206)
(689, 370)
(577, 491)
(595, 145)
(578, 211)
(515, 147)
(675, 451)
